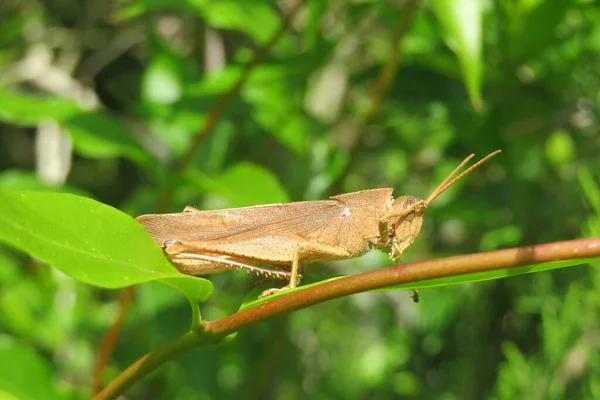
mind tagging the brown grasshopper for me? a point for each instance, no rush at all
(288, 234)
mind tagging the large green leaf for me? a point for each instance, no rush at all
(89, 241)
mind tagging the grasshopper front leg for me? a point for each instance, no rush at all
(384, 232)
(386, 241)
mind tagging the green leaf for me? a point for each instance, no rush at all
(255, 18)
(95, 134)
(24, 374)
(462, 21)
(560, 148)
(24, 180)
(509, 235)
(533, 30)
(89, 241)
(162, 81)
(24, 110)
(244, 184)
(197, 290)
(591, 189)
(276, 93)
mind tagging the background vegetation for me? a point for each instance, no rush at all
(151, 105)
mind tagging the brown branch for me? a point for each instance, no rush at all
(111, 335)
(109, 340)
(384, 81)
(215, 331)
(413, 273)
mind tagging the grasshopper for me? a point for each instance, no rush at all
(290, 234)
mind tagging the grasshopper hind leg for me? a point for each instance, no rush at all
(304, 248)
(294, 278)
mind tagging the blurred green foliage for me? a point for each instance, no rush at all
(104, 98)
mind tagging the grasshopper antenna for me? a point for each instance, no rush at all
(449, 181)
(420, 206)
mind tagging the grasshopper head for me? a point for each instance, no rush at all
(407, 225)
(406, 217)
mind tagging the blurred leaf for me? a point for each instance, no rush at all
(591, 189)
(162, 81)
(534, 29)
(25, 110)
(462, 23)
(25, 180)
(24, 374)
(87, 240)
(95, 134)
(315, 10)
(255, 18)
(242, 185)
(275, 92)
(560, 148)
(508, 235)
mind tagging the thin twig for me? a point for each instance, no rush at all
(215, 331)
(109, 339)
(384, 81)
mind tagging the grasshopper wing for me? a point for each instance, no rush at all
(300, 218)
(343, 221)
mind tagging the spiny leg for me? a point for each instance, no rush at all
(293, 276)
(194, 263)
(307, 248)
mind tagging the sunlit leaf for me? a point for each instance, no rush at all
(87, 240)
(560, 148)
(255, 18)
(244, 184)
(462, 21)
(162, 82)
